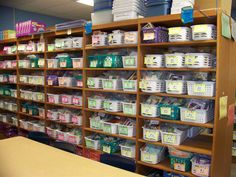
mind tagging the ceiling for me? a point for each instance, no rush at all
(67, 9)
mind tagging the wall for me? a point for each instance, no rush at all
(9, 16)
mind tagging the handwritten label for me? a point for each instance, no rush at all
(92, 103)
(166, 111)
(149, 60)
(152, 135)
(91, 82)
(129, 61)
(174, 31)
(179, 166)
(149, 158)
(129, 84)
(199, 88)
(148, 109)
(169, 139)
(108, 84)
(149, 36)
(200, 29)
(123, 130)
(175, 86)
(127, 152)
(201, 170)
(190, 115)
(106, 149)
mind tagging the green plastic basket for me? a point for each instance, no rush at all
(170, 112)
(110, 147)
(112, 61)
(33, 110)
(95, 62)
(7, 92)
(34, 62)
(180, 164)
(65, 62)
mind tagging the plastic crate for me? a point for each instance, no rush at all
(64, 117)
(110, 147)
(152, 158)
(52, 63)
(53, 98)
(124, 130)
(130, 61)
(112, 106)
(111, 128)
(66, 81)
(94, 103)
(180, 164)
(199, 60)
(94, 82)
(158, 7)
(173, 138)
(112, 61)
(77, 62)
(199, 169)
(180, 34)
(197, 115)
(95, 62)
(154, 61)
(92, 144)
(62, 136)
(111, 84)
(130, 85)
(116, 38)
(65, 62)
(148, 110)
(151, 134)
(66, 99)
(129, 108)
(99, 40)
(176, 87)
(201, 88)
(128, 151)
(74, 139)
(204, 32)
(152, 86)
(38, 128)
(175, 60)
(170, 112)
(77, 100)
(131, 37)
(77, 42)
(155, 35)
(96, 124)
(102, 5)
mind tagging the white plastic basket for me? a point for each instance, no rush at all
(173, 138)
(62, 136)
(128, 151)
(76, 119)
(154, 61)
(130, 85)
(178, 34)
(99, 40)
(204, 32)
(198, 60)
(111, 128)
(94, 103)
(130, 61)
(196, 116)
(92, 144)
(111, 84)
(66, 81)
(154, 158)
(53, 98)
(52, 115)
(129, 108)
(77, 62)
(125, 130)
(65, 117)
(51, 132)
(52, 63)
(151, 134)
(149, 110)
(176, 87)
(77, 100)
(116, 38)
(152, 86)
(201, 88)
(120, 16)
(131, 37)
(112, 106)
(94, 82)
(73, 139)
(24, 63)
(66, 99)
(175, 60)
(199, 169)
(77, 42)
(96, 124)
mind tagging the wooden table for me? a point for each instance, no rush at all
(21, 157)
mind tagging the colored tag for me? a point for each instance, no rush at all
(149, 60)
(106, 149)
(93, 64)
(107, 128)
(92, 103)
(107, 63)
(91, 82)
(126, 152)
(108, 84)
(187, 15)
(223, 107)
(170, 139)
(149, 36)
(128, 109)
(143, 85)
(179, 166)
(151, 135)
(165, 111)
(123, 130)
(190, 115)
(129, 84)
(147, 109)
(174, 31)
(130, 61)
(175, 86)
(172, 60)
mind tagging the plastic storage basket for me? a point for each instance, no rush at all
(52, 115)
(129, 108)
(74, 139)
(177, 34)
(130, 61)
(99, 40)
(199, 169)
(112, 61)
(155, 35)
(94, 82)
(92, 144)
(96, 124)
(131, 37)
(66, 81)
(128, 151)
(176, 87)
(149, 110)
(151, 134)
(158, 7)
(53, 98)
(52, 63)
(152, 158)
(125, 130)
(199, 60)
(111, 84)
(171, 112)
(77, 62)
(176, 60)
(130, 85)
(152, 86)
(154, 61)
(116, 38)
(95, 62)
(180, 164)
(201, 88)
(112, 105)
(66, 99)
(111, 128)
(173, 138)
(110, 147)
(204, 32)
(94, 103)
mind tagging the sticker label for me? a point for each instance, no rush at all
(129, 84)
(91, 82)
(200, 29)
(107, 128)
(190, 115)
(174, 31)
(123, 130)
(92, 103)
(166, 111)
(108, 62)
(106, 149)
(201, 170)
(149, 36)
(148, 110)
(179, 166)
(128, 109)
(199, 88)
(149, 157)
(170, 139)
(130, 61)
(152, 135)
(149, 60)
(175, 86)
(143, 85)
(108, 84)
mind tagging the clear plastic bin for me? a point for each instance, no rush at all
(199, 60)
(94, 103)
(111, 84)
(24, 63)
(201, 88)
(176, 87)
(99, 40)
(77, 100)
(124, 130)
(131, 37)
(52, 63)
(116, 38)
(149, 110)
(154, 158)
(152, 86)
(151, 134)
(199, 169)
(77, 62)
(77, 42)
(74, 139)
(64, 117)
(77, 119)
(128, 151)
(67, 81)
(96, 124)
(154, 61)
(92, 144)
(112, 106)
(173, 138)
(130, 61)
(52, 114)
(129, 108)
(62, 136)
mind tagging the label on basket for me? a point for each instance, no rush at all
(76, 101)
(40, 97)
(72, 139)
(51, 100)
(65, 99)
(90, 144)
(152, 135)
(129, 85)
(61, 136)
(50, 64)
(179, 166)
(149, 60)
(170, 139)
(92, 103)
(41, 62)
(172, 60)
(62, 117)
(91, 82)
(108, 62)
(108, 84)
(128, 109)
(93, 64)
(143, 84)
(76, 64)
(165, 111)
(107, 128)
(175, 86)
(126, 152)
(190, 115)
(106, 105)
(63, 64)
(129, 61)
(106, 149)
(123, 130)
(190, 60)
(74, 119)
(148, 109)
(96, 124)
(173, 31)
(200, 28)
(149, 157)
(50, 82)
(199, 88)
(201, 170)
(149, 36)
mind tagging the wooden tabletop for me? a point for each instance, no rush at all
(21, 157)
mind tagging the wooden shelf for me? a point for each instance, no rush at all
(78, 145)
(64, 69)
(206, 125)
(7, 41)
(65, 50)
(28, 115)
(180, 69)
(65, 106)
(200, 144)
(111, 47)
(70, 125)
(8, 110)
(7, 55)
(111, 69)
(165, 166)
(7, 83)
(60, 87)
(22, 99)
(8, 69)
(31, 69)
(109, 134)
(111, 113)
(109, 91)
(31, 85)
(30, 53)
(7, 97)
(8, 123)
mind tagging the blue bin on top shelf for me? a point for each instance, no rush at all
(158, 7)
(100, 5)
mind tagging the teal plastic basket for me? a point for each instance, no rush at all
(34, 62)
(112, 61)
(95, 61)
(65, 62)
(170, 112)
(180, 164)
(110, 147)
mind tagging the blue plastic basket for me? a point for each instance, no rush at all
(102, 5)
(157, 7)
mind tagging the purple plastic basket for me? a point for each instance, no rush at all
(156, 35)
(29, 27)
(53, 79)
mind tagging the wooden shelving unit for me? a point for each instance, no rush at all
(218, 146)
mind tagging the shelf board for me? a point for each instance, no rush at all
(78, 145)
(111, 113)
(30, 53)
(60, 87)
(111, 69)
(7, 97)
(180, 69)
(206, 125)
(22, 99)
(65, 106)
(7, 83)
(8, 69)
(200, 144)
(8, 110)
(64, 69)
(8, 55)
(88, 47)
(109, 134)
(5, 41)
(28, 115)
(31, 85)
(8, 123)
(177, 96)
(65, 50)
(165, 166)
(31, 69)
(66, 124)
(109, 91)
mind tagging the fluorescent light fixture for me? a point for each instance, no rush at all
(86, 2)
